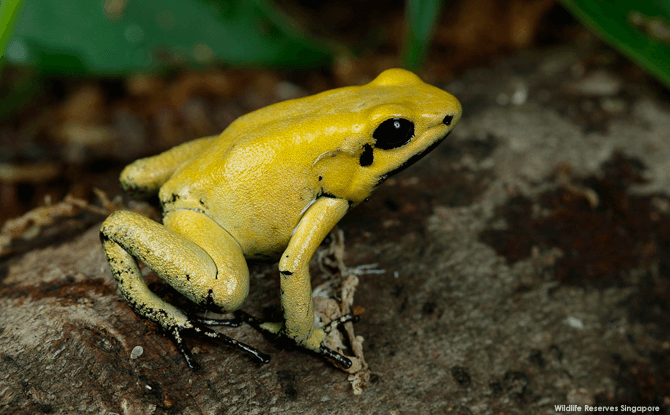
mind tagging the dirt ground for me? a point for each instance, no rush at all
(527, 265)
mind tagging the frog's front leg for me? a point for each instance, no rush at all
(191, 253)
(296, 287)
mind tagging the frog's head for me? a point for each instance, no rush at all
(417, 119)
(398, 119)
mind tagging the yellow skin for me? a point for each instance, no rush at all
(271, 186)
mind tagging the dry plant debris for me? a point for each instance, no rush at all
(47, 222)
(335, 298)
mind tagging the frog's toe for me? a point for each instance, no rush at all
(175, 335)
(207, 332)
(332, 355)
(340, 321)
(335, 357)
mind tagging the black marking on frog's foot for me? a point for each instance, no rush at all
(285, 272)
(175, 335)
(257, 323)
(340, 321)
(367, 157)
(332, 355)
(188, 277)
(254, 322)
(262, 357)
(284, 341)
(447, 119)
(234, 322)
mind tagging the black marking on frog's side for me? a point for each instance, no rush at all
(326, 194)
(367, 157)
(188, 277)
(412, 160)
(175, 197)
(285, 272)
(320, 178)
(202, 203)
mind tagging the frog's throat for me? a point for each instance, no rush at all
(412, 160)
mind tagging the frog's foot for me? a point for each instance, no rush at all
(274, 331)
(195, 326)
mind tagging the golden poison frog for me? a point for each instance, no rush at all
(271, 186)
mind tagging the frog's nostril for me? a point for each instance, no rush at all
(447, 119)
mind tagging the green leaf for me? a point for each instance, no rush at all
(638, 29)
(9, 11)
(115, 37)
(420, 20)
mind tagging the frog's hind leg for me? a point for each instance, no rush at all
(183, 264)
(144, 177)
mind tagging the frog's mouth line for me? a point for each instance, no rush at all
(412, 160)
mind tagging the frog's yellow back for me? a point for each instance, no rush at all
(291, 153)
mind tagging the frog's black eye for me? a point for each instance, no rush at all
(393, 133)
